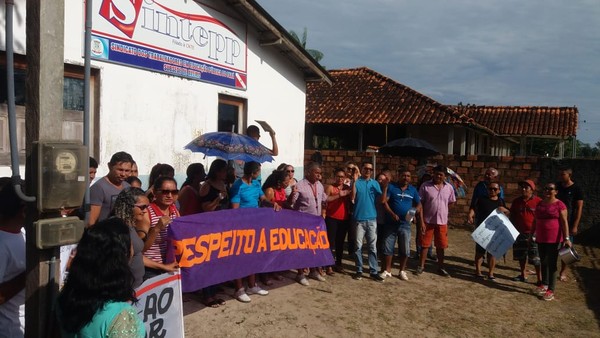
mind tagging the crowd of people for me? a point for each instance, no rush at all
(128, 227)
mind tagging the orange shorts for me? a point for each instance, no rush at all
(439, 231)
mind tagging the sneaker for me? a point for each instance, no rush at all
(419, 270)
(443, 272)
(357, 276)
(377, 278)
(549, 295)
(385, 274)
(242, 296)
(520, 278)
(403, 275)
(257, 290)
(317, 276)
(540, 290)
(302, 280)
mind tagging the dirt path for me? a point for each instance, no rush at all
(426, 306)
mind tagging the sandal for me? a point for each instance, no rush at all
(213, 303)
(220, 301)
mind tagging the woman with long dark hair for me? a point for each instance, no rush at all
(213, 192)
(95, 301)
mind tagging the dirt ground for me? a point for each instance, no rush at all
(425, 306)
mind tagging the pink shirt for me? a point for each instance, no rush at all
(309, 197)
(435, 202)
(547, 224)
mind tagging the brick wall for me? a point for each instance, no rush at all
(471, 168)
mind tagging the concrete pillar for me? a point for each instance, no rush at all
(450, 140)
(45, 58)
(463, 142)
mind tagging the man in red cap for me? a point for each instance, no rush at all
(522, 216)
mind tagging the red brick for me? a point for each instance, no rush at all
(466, 163)
(478, 164)
(506, 158)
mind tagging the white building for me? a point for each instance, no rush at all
(164, 72)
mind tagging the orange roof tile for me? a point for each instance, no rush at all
(520, 120)
(363, 96)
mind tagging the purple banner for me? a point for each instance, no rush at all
(215, 247)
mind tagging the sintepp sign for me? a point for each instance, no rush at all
(181, 38)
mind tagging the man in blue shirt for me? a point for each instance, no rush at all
(365, 193)
(401, 202)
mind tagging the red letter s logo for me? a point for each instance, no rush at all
(122, 14)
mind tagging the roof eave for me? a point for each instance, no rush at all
(278, 37)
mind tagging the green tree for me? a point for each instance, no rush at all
(316, 54)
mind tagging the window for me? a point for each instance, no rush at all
(232, 114)
(73, 104)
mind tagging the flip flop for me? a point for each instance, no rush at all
(220, 301)
(214, 304)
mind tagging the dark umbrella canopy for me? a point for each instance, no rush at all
(230, 146)
(409, 147)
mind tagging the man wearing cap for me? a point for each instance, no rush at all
(481, 189)
(401, 202)
(522, 215)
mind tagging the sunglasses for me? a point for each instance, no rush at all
(290, 171)
(350, 168)
(367, 168)
(549, 188)
(493, 189)
(166, 192)
(142, 207)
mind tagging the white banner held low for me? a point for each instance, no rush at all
(496, 234)
(160, 306)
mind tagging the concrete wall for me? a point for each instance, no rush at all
(472, 167)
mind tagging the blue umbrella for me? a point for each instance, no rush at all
(230, 146)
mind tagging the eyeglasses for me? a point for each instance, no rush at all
(166, 192)
(142, 207)
(367, 168)
(290, 171)
(549, 188)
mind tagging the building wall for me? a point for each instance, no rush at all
(153, 116)
(471, 169)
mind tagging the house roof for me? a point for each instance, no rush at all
(529, 121)
(273, 34)
(363, 96)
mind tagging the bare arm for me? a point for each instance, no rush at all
(275, 149)
(94, 214)
(564, 224)
(577, 219)
(160, 266)
(10, 288)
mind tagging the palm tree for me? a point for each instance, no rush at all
(316, 54)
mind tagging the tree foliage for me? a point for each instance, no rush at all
(316, 54)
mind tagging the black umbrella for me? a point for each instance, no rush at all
(409, 147)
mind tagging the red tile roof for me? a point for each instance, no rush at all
(363, 96)
(529, 121)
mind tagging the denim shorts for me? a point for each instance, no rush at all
(403, 234)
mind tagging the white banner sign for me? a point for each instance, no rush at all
(496, 234)
(160, 306)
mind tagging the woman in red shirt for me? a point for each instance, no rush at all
(551, 229)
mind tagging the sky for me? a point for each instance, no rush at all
(483, 52)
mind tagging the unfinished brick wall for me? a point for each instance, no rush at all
(471, 168)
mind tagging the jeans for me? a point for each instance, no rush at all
(368, 228)
(402, 232)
